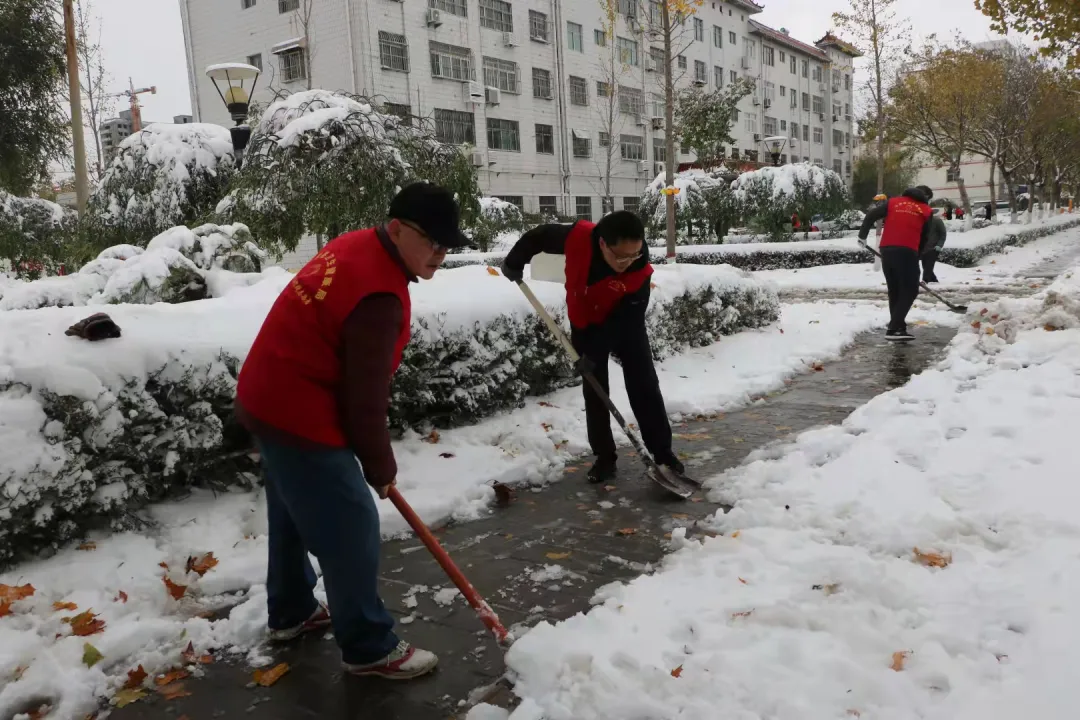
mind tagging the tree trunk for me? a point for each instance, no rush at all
(1007, 176)
(669, 125)
(993, 190)
(965, 201)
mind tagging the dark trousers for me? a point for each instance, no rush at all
(929, 259)
(629, 342)
(317, 501)
(901, 267)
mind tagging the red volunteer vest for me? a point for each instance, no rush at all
(591, 304)
(904, 223)
(291, 379)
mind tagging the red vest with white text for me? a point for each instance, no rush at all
(904, 223)
(291, 379)
(591, 304)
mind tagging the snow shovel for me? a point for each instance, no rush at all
(665, 477)
(483, 610)
(955, 308)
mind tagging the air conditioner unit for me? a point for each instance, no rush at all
(847, 118)
(643, 166)
(821, 117)
(836, 118)
(508, 40)
(757, 137)
(768, 103)
(756, 101)
(477, 158)
(472, 92)
(744, 63)
(434, 18)
(840, 151)
(492, 95)
(699, 82)
(658, 168)
(658, 123)
(639, 121)
(651, 65)
(836, 88)
(821, 87)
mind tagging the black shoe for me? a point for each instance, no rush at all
(930, 280)
(672, 462)
(899, 335)
(603, 470)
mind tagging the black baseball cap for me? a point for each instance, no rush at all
(431, 208)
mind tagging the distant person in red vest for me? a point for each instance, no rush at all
(904, 237)
(314, 391)
(607, 293)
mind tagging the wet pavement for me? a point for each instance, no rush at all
(595, 534)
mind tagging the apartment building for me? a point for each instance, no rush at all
(115, 130)
(527, 85)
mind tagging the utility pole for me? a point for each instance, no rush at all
(82, 187)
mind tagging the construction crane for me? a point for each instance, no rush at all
(133, 98)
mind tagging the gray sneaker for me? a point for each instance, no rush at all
(318, 620)
(404, 662)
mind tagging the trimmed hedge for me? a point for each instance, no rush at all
(92, 431)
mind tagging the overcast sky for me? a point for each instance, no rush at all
(143, 38)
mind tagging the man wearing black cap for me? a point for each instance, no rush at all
(314, 391)
(905, 235)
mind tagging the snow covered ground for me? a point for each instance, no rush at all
(121, 580)
(920, 561)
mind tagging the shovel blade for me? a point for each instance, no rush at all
(672, 481)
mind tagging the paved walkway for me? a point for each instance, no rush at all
(571, 524)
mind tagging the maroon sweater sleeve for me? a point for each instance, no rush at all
(368, 339)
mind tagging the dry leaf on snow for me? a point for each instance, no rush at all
(64, 606)
(5, 608)
(736, 534)
(12, 593)
(933, 559)
(898, 659)
(503, 494)
(676, 672)
(266, 678)
(163, 564)
(136, 678)
(446, 456)
(85, 623)
(39, 713)
(176, 591)
(125, 697)
(492, 271)
(171, 677)
(744, 613)
(626, 531)
(742, 581)
(830, 589)
(88, 545)
(544, 403)
(432, 437)
(17, 675)
(201, 564)
(557, 556)
(173, 691)
(120, 597)
(91, 656)
(609, 488)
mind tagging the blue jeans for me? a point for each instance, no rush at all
(317, 501)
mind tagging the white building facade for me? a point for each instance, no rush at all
(525, 82)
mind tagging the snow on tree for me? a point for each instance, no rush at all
(496, 217)
(704, 206)
(769, 197)
(33, 234)
(162, 176)
(323, 162)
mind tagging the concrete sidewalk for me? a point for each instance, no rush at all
(596, 534)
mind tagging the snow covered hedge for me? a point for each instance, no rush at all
(322, 162)
(770, 196)
(179, 265)
(88, 431)
(163, 176)
(497, 217)
(704, 206)
(33, 235)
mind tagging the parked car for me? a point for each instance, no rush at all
(848, 220)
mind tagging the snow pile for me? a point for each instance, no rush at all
(33, 233)
(921, 560)
(163, 176)
(88, 430)
(783, 182)
(119, 576)
(180, 265)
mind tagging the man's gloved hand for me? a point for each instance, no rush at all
(513, 274)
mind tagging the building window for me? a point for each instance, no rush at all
(847, 111)
(502, 74)
(398, 110)
(503, 135)
(516, 200)
(632, 147)
(579, 91)
(806, 68)
(603, 89)
(806, 133)
(701, 73)
(717, 36)
(627, 8)
(847, 81)
(541, 83)
(604, 139)
(847, 168)
(682, 62)
(600, 38)
(575, 37)
(793, 60)
(628, 51)
(819, 136)
(770, 125)
(783, 158)
(783, 126)
(659, 150)
(455, 127)
(581, 143)
(496, 15)
(284, 6)
(247, 4)
(952, 175)
(255, 61)
(837, 138)
(549, 205)
(768, 56)
(538, 26)
(751, 122)
(393, 51)
(656, 59)
(734, 153)
(454, 7)
(450, 62)
(782, 57)
(583, 205)
(770, 91)
(718, 76)
(699, 29)
(783, 91)
(731, 38)
(817, 73)
(657, 102)
(631, 203)
(733, 76)
(631, 100)
(806, 101)
(545, 140)
(837, 166)
(819, 104)
(293, 65)
(847, 139)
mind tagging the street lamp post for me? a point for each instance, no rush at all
(237, 99)
(776, 144)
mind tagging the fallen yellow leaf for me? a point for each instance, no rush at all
(173, 691)
(171, 677)
(557, 556)
(933, 559)
(898, 659)
(627, 531)
(492, 271)
(676, 672)
(125, 697)
(266, 678)
(64, 606)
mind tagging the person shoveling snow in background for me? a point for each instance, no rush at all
(314, 391)
(607, 294)
(935, 242)
(904, 235)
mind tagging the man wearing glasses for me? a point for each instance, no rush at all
(314, 391)
(607, 294)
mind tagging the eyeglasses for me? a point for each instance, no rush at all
(435, 247)
(622, 259)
